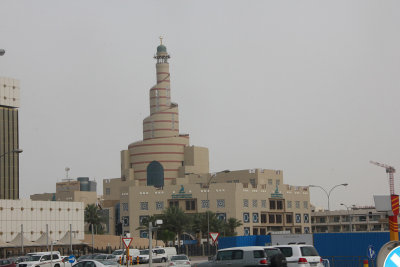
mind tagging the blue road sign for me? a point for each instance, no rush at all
(371, 253)
(393, 258)
(71, 259)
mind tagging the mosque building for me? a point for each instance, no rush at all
(163, 170)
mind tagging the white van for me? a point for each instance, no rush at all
(133, 252)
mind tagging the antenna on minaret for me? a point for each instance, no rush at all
(67, 169)
(161, 40)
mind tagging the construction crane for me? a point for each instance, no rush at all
(390, 171)
(394, 199)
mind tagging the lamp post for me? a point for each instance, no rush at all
(328, 193)
(208, 207)
(18, 151)
(348, 212)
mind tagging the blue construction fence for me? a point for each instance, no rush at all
(344, 249)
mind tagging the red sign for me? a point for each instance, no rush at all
(214, 236)
(127, 241)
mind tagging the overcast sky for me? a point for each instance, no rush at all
(307, 87)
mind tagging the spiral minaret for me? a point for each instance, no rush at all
(156, 159)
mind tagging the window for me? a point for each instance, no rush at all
(246, 217)
(159, 205)
(270, 181)
(229, 255)
(245, 203)
(108, 191)
(298, 218)
(272, 205)
(253, 182)
(220, 203)
(205, 204)
(263, 203)
(289, 204)
(297, 204)
(143, 220)
(174, 203)
(271, 218)
(125, 220)
(144, 234)
(255, 231)
(255, 217)
(289, 218)
(287, 251)
(246, 230)
(263, 218)
(279, 204)
(221, 216)
(306, 218)
(125, 207)
(278, 218)
(144, 205)
(305, 204)
(255, 203)
(258, 253)
(190, 205)
(277, 182)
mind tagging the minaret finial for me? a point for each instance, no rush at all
(161, 40)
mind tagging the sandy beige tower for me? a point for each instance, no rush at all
(160, 158)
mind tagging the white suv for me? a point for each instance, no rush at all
(301, 255)
(43, 259)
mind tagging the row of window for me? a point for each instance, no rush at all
(264, 231)
(272, 218)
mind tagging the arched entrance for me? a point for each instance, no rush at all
(155, 174)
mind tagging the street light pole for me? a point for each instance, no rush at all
(18, 151)
(348, 212)
(328, 193)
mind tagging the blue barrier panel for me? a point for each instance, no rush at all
(342, 246)
(243, 241)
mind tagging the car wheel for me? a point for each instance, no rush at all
(277, 260)
(57, 265)
(163, 260)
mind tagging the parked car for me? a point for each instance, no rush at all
(237, 257)
(88, 256)
(43, 259)
(7, 263)
(133, 252)
(17, 260)
(179, 261)
(89, 263)
(301, 255)
(275, 257)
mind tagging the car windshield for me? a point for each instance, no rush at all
(271, 252)
(100, 257)
(144, 252)
(117, 252)
(308, 251)
(179, 258)
(34, 258)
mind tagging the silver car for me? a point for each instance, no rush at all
(237, 257)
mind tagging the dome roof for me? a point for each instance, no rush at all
(161, 48)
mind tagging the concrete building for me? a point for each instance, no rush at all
(9, 141)
(81, 190)
(35, 215)
(358, 219)
(163, 169)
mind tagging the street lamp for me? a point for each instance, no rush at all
(18, 151)
(328, 193)
(208, 207)
(348, 212)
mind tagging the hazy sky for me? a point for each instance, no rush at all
(308, 87)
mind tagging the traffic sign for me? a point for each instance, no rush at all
(71, 259)
(127, 241)
(214, 236)
(371, 253)
(393, 258)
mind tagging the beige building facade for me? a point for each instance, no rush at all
(9, 141)
(164, 170)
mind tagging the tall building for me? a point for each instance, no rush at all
(164, 170)
(9, 142)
